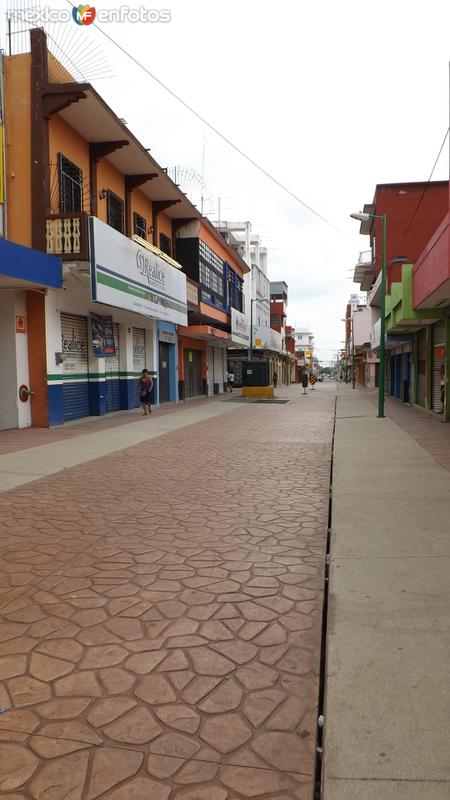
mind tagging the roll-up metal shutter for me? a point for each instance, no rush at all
(112, 383)
(138, 349)
(438, 366)
(139, 360)
(74, 345)
(437, 385)
(421, 366)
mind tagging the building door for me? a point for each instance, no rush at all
(112, 383)
(163, 372)
(421, 366)
(138, 354)
(192, 363)
(74, 345)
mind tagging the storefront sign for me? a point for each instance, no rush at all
(126, 275)
(167, 336)
(240, 328)
(103, 343)
(268, 338)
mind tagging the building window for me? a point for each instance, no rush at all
(70, 186)
(139, 225)
(211, 271)
(165, 244)
(114, 206)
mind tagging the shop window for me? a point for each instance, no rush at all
(114, 207)
(139, 225)
(165, 244)
(70, 185)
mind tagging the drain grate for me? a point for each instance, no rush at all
(270, 400)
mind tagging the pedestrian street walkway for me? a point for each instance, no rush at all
(161, 588)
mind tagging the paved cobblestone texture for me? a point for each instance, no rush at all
(160, 614)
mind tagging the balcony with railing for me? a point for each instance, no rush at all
(364, 273)
(66, 236)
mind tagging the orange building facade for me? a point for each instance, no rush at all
(82, 189)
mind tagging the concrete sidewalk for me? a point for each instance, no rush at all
(387, 696)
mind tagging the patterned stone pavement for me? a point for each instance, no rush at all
(160, 614)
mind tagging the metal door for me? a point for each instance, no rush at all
(163, 372)
(112, 383)
(421, 366)
(74, 345)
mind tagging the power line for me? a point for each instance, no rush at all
(425, 187)
(219, 134)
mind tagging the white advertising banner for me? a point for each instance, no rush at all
(126, 275)
(240, 328)
(265, 338)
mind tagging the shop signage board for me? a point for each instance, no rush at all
(266, 338)
(103, 344)
(240, 328)
(126, 275)
(167, 336)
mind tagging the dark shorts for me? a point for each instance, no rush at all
(145, 398)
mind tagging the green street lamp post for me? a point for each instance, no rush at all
(364, 217)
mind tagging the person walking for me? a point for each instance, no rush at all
(145, 386)
(275, 380)
(305, 380)
(230, 379)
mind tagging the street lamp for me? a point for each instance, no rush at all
(365, 217)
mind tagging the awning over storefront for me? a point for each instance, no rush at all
(206, 333)
(24, 267)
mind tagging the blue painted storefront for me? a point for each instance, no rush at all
(166, 331)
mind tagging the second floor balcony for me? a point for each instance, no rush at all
(66, 236)
(364, 273)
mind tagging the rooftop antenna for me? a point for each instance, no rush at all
(203, 169)
(72, 56)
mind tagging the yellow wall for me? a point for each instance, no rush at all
(141, 203)
(164, 226)
(18, 147)
(108, 177)
(64, 139)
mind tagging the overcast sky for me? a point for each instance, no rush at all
(330, 98)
